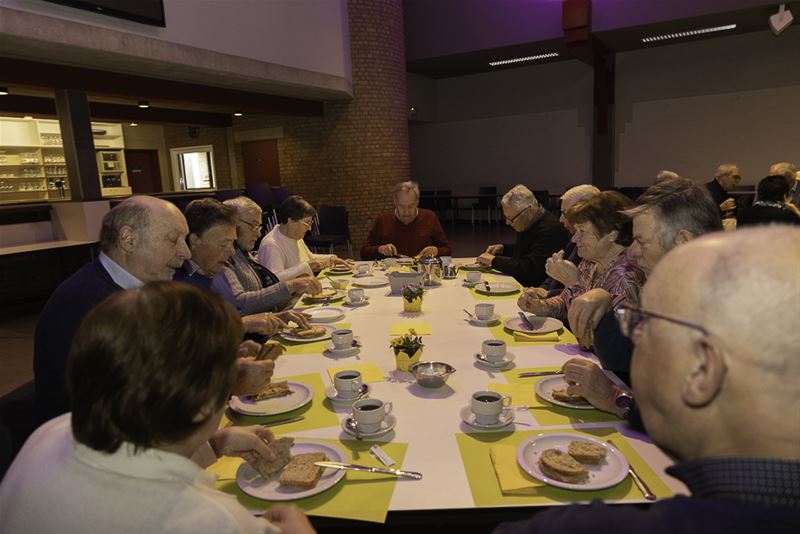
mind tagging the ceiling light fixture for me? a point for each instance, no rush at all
(521, 59)
(237, 113)
(780, 20)
(144, 104)
(3, 91)
(690, 33)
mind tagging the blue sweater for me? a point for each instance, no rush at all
(58, 322)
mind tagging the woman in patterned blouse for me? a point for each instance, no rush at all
(602, 235)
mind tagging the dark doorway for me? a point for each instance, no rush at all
(261, 164)
(144, 175)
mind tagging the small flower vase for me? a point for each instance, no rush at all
(412, 306)
(404, 361)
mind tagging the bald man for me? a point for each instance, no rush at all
(716, 388)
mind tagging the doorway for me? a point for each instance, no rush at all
(260, 161)
(144, 174)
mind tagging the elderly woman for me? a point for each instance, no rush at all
(255, 287)
(283, 250)
(146, 408)
(602, 235)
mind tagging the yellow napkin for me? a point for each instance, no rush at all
(521, 394)
(422, 329)
(370, 372)
(523, 337)
(510, 476)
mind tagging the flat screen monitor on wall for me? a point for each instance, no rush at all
(144, 11)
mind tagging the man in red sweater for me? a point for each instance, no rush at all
(406, 230)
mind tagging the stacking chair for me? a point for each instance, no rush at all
(543, 197)
(444, 202)
(331, 228)
(427, 200)
(487, 202)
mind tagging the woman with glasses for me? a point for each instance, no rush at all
(283, 250)
(602, 235)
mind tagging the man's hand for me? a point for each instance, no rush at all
(248, 442)
(428, 252)
(252, 376)
(317, 264)
(560, 269)
(299, 318)
(265, 324)
(494, 249)
(587, 379)
(388, 250)
(304, 284)
(728, 205)
(485, 258)
(531, 302)
(336, 260)
(536, 292)
(585, 313)
(289, 518)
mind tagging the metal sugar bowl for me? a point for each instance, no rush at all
(431, 269)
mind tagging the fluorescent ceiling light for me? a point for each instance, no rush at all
(690, 33)
(521, 59)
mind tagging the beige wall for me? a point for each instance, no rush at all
(151, 137)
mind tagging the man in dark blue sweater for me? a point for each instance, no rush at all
(715, 388)
(141, 240)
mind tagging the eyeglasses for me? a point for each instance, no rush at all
(253, 226)
(308, 223)
(630, 318)
(514, 218)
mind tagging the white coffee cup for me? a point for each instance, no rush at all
(494, 350)
(356, 294)
(342, 339)
(370, 413)
(347, 383)
(484, 311)
(362, 268)
(488, 405)
(473, 276)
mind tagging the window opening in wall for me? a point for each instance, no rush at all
(193, 167)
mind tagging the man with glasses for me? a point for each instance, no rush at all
(716, 387)
(539, 236)
(725, 180)
(407, 230)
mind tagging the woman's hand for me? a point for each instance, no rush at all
(560, 269)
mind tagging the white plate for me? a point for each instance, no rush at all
(338, 296)
(325, 314)
(254, 484)
(362, 302)
(327, 335)
(485, 322)
(544, 388)
(507, 359)
(542, 325)
(496, 288)
(334, 397)
(302, 395)
(371, 281)
(336, 272)
(387, 425)
(506, 418)
(607, 473)
(348, 351)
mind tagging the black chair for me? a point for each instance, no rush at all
(427, 200)
(331, 228)
(543, 198)
(487, 200)
(261, 194)
(444, 202)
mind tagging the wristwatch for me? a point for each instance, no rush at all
(624, 401)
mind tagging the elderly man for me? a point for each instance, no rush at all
(725, 179)
(716, 389)
(539, 235)
(407, 230)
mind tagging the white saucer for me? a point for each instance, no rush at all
(387, 425)
(362, 302)
(348, 351)
(506, 418)
(467, 283)
(507, 359)
(485, 322)
(334, 397)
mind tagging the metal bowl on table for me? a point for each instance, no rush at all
(431, 374)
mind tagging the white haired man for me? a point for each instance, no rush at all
(539, 236)
(725, 179)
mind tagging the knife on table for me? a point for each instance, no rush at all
(383, 470)
(540, 373)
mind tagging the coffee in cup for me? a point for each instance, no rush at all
(342, 339)
(473, 277)
(370, 413)
(494, 350)
(484, 311)
(347, 383)
(488, 405)
(356, 294)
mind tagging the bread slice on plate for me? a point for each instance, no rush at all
(273, 391)
(570, 398)
(301, 471)
(561, 466)
(308, 333)
(586, 452)
(281, 448)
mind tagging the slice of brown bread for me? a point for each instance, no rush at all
(301, 471)
(307, 333)
(571, 398)
(561, 466)
(281, 448)
(274, 390)
(270, 351)
(586, 452)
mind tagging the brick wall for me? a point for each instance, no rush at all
(354, 153)
(178, 137)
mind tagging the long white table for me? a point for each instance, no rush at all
(429, 419)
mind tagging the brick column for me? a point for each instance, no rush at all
(356, 151)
